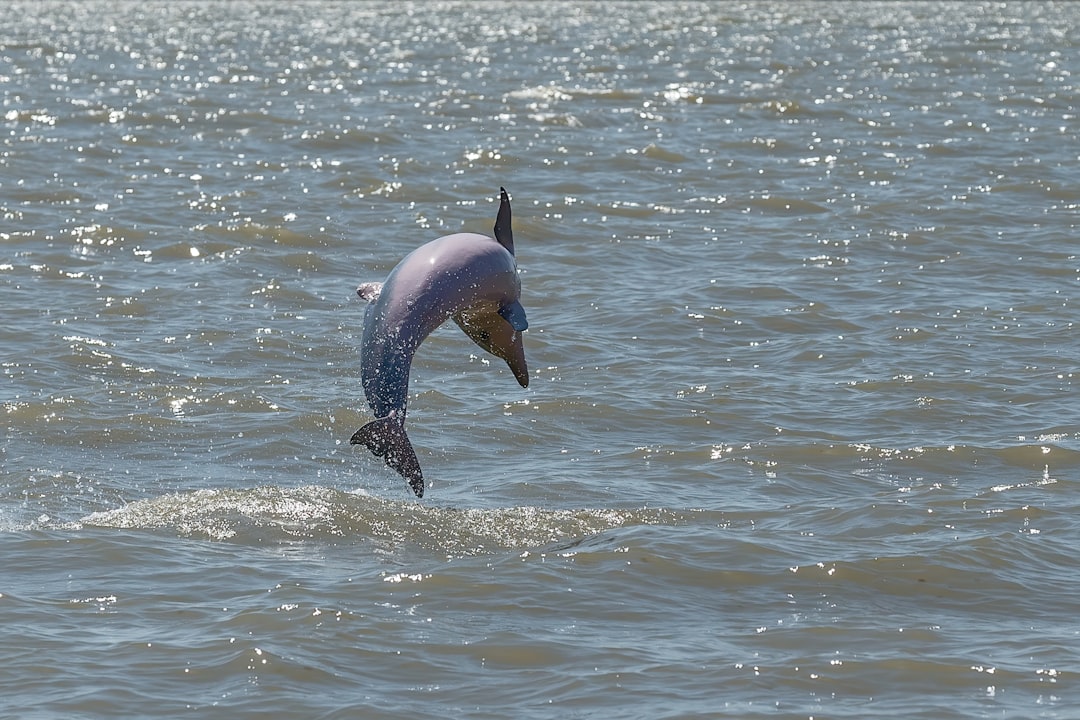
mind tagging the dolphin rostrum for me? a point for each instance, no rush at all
(469, 277)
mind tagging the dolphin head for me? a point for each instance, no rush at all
(494, 332)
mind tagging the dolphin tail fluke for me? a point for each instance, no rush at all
(386, 438)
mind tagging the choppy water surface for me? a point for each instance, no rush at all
(802, 437)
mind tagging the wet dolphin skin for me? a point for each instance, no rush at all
(469, 277)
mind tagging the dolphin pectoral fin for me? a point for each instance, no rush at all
(369, 291)
(386, 438)
(503, 232)
(514, 314)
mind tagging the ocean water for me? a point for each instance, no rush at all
(802, 438)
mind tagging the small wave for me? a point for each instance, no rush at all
(787, 205)
(655, 152)
(289, 514)
(552, 93)
(557, 119)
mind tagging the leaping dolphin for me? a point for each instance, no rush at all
(469, 277)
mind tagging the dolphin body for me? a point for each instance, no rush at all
(469, 277)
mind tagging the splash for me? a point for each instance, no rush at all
(288, 514)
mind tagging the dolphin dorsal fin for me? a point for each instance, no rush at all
(503, 233)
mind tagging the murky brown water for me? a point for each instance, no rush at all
(802, 437)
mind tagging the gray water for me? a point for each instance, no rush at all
(802, 437)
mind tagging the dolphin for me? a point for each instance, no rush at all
(469, 277)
